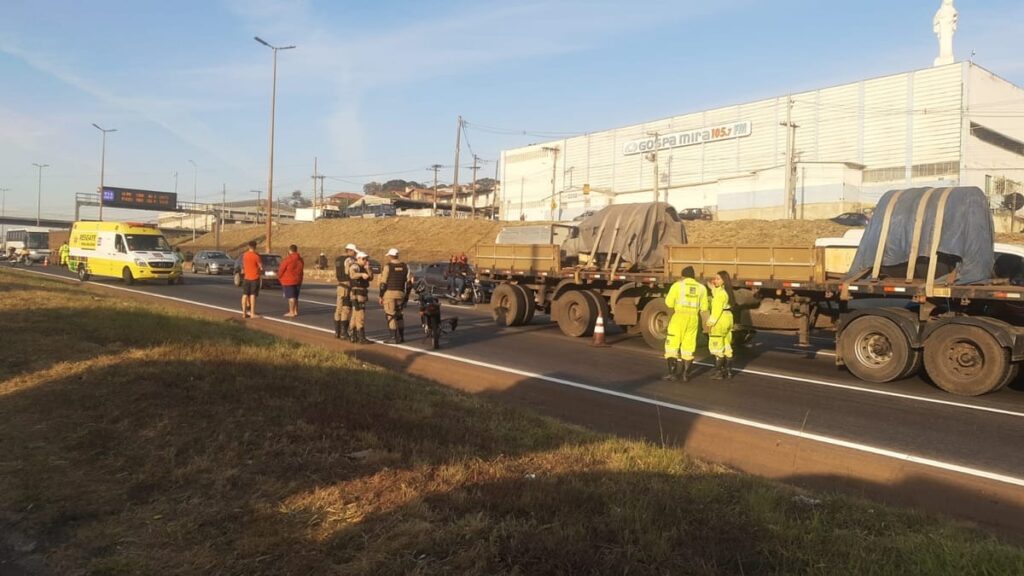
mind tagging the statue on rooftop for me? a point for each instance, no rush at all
(944, 26)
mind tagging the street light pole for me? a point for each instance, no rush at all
(3, 213)
(103, 163)
(195, 187)
(273, 104)
(39, 191)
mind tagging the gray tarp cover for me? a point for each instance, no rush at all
(967, 231)
(643, 232)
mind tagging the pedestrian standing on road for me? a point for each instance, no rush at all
(62, 255)
(343, 309)
(361, 276)
(290, 274)
(252, 273)
(394, 293)
(321, 262)
(719, 324)
(688, 299)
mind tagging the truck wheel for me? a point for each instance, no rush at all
(654, 321)
(530, 303)
(602, 307)
(1012, 371)
(965, 360)
(577, 313)
(126, 276)
(83, 273)
(875, 349)
(508, 307)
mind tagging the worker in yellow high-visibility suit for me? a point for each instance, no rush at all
(687, 298)
(719, 324)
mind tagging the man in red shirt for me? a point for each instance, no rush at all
(252, 273)
(290, 275)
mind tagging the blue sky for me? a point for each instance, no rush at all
(373, 89)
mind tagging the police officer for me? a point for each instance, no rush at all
(394, 293)
(343, 310)
(360, 276)
(719, 324)
(688, 299)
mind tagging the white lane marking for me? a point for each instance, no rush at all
(808, 351)
(829, 440)
(789, 378)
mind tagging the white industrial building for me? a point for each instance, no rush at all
(953, 124)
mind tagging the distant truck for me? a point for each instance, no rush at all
(124, 250)
(954, 308)
(27, 244)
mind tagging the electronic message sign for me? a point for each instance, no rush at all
(139, 199)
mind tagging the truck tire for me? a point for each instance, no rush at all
(654, 320)
(577, 313)
(1012, 371)
(126, 276)
(508, 307)
(529, 303)
(602, 307)
(965, 360)
(875, 349)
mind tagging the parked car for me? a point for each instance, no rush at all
(852, 219)
(433, 275)
(695, 214)
(212, 262)
(271, 262)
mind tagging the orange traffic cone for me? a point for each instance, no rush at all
(46, 260)
(599, 332)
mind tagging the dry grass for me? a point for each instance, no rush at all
(138, 441)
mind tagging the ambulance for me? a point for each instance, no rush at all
(125, 250)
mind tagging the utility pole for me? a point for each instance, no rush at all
(103, 162)
(455, 179)
(790, 164)
(259, 203)
(195, 187)
(472, 209)
(270, 177)
(554, 165)
(494, 192)
(3, 213)
(435, 168)
(323, 198)
(314, 188)
(39, 192)
(653, 157)
(223, 205)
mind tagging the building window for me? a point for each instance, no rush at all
(899, 173)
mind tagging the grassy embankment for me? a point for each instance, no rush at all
(135, 440)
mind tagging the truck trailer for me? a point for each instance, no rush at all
(944, 309)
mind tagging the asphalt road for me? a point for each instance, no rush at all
(778, 386)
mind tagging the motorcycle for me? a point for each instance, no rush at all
(473, 292)
(430, 316)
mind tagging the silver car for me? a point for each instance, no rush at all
(213, 262)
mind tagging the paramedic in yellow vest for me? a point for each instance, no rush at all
(687, 298)
(719, 324)
(63, 254)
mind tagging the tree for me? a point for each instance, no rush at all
(485, 184)
(297, 201)
(372, 188)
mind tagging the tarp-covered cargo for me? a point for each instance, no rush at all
(633, 234)
(965, 240)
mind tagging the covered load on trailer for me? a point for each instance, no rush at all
(632, 237)
(904, 225)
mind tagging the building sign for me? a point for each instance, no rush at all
(688, 138)
(139, 199)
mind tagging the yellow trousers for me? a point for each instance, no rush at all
(681, 342)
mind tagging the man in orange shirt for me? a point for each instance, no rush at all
(252, 273)
(290, 274)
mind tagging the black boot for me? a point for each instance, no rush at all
(353, 336)
(401, 334)
(362, 337)
(344, 328)
(727, 368)
(686, 370)
(337, 329)
(671, 374)
(719, 369)
(393, 339)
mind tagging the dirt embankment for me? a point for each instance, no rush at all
(428, 239)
